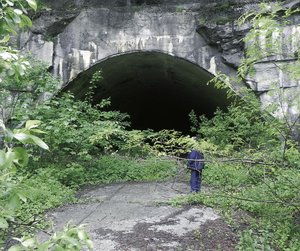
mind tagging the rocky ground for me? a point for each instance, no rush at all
(132, 216)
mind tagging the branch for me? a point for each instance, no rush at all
(245, 161)
(19, 90)
(251, 200)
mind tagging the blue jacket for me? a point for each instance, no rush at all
(195, 155)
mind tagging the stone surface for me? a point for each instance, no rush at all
(75, 35)
(86, 36)
(130, 216)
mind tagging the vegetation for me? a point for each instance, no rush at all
(253, 158)
(16, 217)
(56, 146)
(248, 175)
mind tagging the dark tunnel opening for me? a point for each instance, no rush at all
(157, 90)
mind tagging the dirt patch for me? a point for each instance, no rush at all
(217, 235)
(213, 235)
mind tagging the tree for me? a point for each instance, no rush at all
(250, 143)
(13, 16)
(13, 66)
(270, 40)
(266, 42)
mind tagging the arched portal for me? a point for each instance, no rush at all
(157, 90)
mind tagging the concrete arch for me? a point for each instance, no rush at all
(72, 40)
(133, 52)
(97, 36)
(157, 90)
(97, 33)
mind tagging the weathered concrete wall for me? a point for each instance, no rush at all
(72, 35)
(89, 31)
(97, 33)
(273, 80)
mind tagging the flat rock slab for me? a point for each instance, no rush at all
(129, 216)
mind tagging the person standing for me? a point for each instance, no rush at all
(195, 164)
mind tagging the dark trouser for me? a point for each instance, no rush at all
(195, 181)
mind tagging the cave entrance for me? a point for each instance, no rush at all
(157, 90)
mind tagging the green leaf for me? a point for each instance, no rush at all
(5, 39)
(26, 21)
(59, 248)
(32, 4)
(2, 158)
(14, 202)
(10, 3)
(29, 243)
(9, 136)
(3, 223)
(44, 246)
(16, 19)
(22, 197)
(90, 244)
(21, 156)
(23, 137)
(32, 124)
(9, 158)
(38, 131)
(82, 235)
(15, 248)
(39, 142)
(18, 11)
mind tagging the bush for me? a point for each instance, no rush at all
(40, 193)
(108, 169)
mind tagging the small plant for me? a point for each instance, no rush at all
(70, 239)
(94, 83)
(15, 144)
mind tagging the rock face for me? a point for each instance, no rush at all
(97, 33)
(73, 35)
